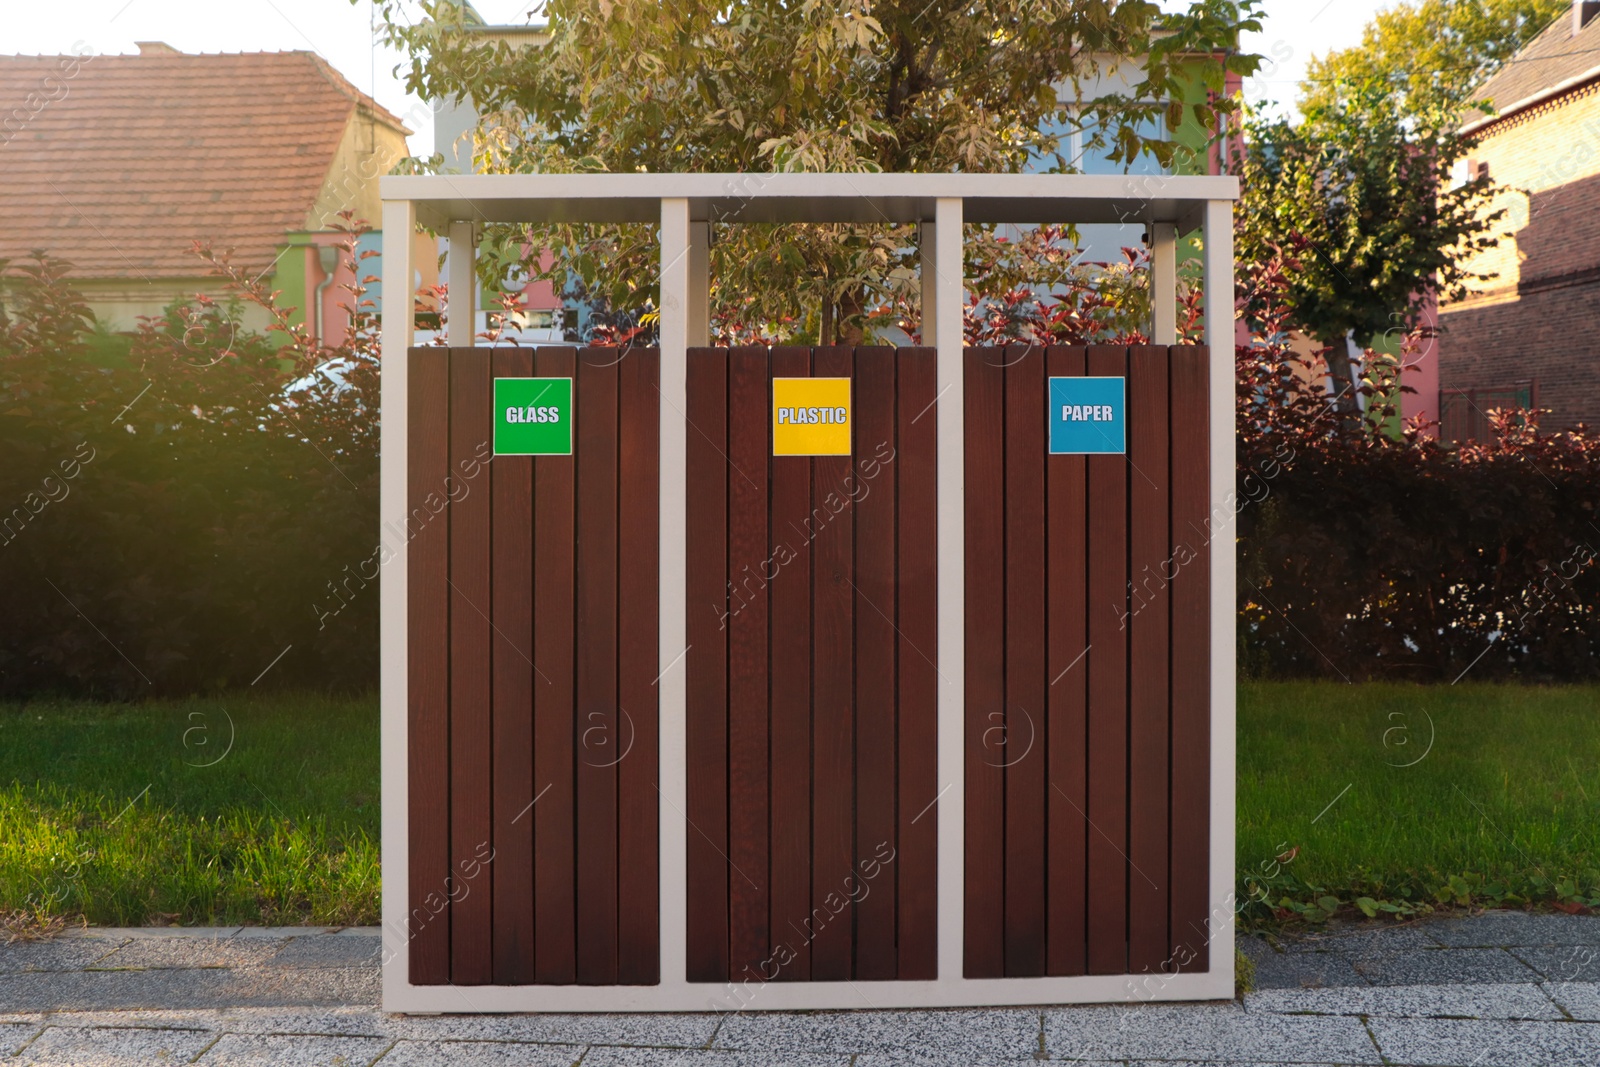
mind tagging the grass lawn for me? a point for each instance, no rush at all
(1504, 807)
(134, 814)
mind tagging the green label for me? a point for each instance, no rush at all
(533, 416)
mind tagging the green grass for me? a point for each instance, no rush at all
(129, 814)
(1504, 808)
(112, 812)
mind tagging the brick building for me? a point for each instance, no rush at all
(1531, 336)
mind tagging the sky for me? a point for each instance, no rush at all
(341, 32)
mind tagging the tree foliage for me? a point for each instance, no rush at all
(809, 86)
(1363, 180)
(1370, 196)
(1429, 55)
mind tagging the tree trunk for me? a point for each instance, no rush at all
(852, 305)
(1341, 374)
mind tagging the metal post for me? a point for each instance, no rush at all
(462, 304)
(677, 325)
(1217, 240)
(399, 223)
(949, 289)
(1163, 283)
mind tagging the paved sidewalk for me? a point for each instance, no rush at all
(1498, 990)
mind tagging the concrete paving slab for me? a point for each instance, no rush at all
(309, 987)
(123, 933)
(1580, 999)
(1463, 1043)
(481, 1054)
(13, 1035)
(337, 1022)
(979, 1035)
(1204, 1032)
(933, 1056)
(1513, 929)
(254, 1050)
(116, 1046)
(104, 990)
(660, 1030)
(1304, 970)
(284, 933)
(149, 952)
(1563, 963)
(1362, 940)
(20, 957)
(1445, 967)
(651, 1057)
(1504, 1001)
(187, 988)
(333, 950)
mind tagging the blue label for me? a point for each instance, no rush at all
(1087, 415)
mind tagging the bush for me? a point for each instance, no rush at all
(176, 516)
(174, 519)
(1366, 554)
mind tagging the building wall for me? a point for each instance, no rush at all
(368, 150)
(1539, 318)
(119, 303)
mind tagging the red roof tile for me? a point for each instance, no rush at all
(120, 166)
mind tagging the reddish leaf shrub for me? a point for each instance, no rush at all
(1365, 555)
(178, 510)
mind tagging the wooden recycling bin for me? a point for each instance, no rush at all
(787, 677)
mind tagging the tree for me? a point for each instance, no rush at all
(1430, 55)
(1363, 179)
(1368, 194)
(783, 85)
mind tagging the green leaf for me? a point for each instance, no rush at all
(1368, 906)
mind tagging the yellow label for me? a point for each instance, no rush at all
(811, 417)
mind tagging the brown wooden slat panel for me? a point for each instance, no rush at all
(428, 662)
(984, 951)
(912, 466)
(471, 725)
(1022, 752)
(638, 556)
(749, 448)
(789, 564)
(874, 514)
(511, 546)
(596, 448)
(1108, 696)
(1148, 733)
(1191, 659)
(707, 664)
(833, 711)
(555, 905)
(1067, 640)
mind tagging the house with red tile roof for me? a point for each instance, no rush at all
(119, 163)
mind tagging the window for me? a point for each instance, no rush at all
(1081, 155)
(1464, 413)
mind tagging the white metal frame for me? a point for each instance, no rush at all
(684, 205)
